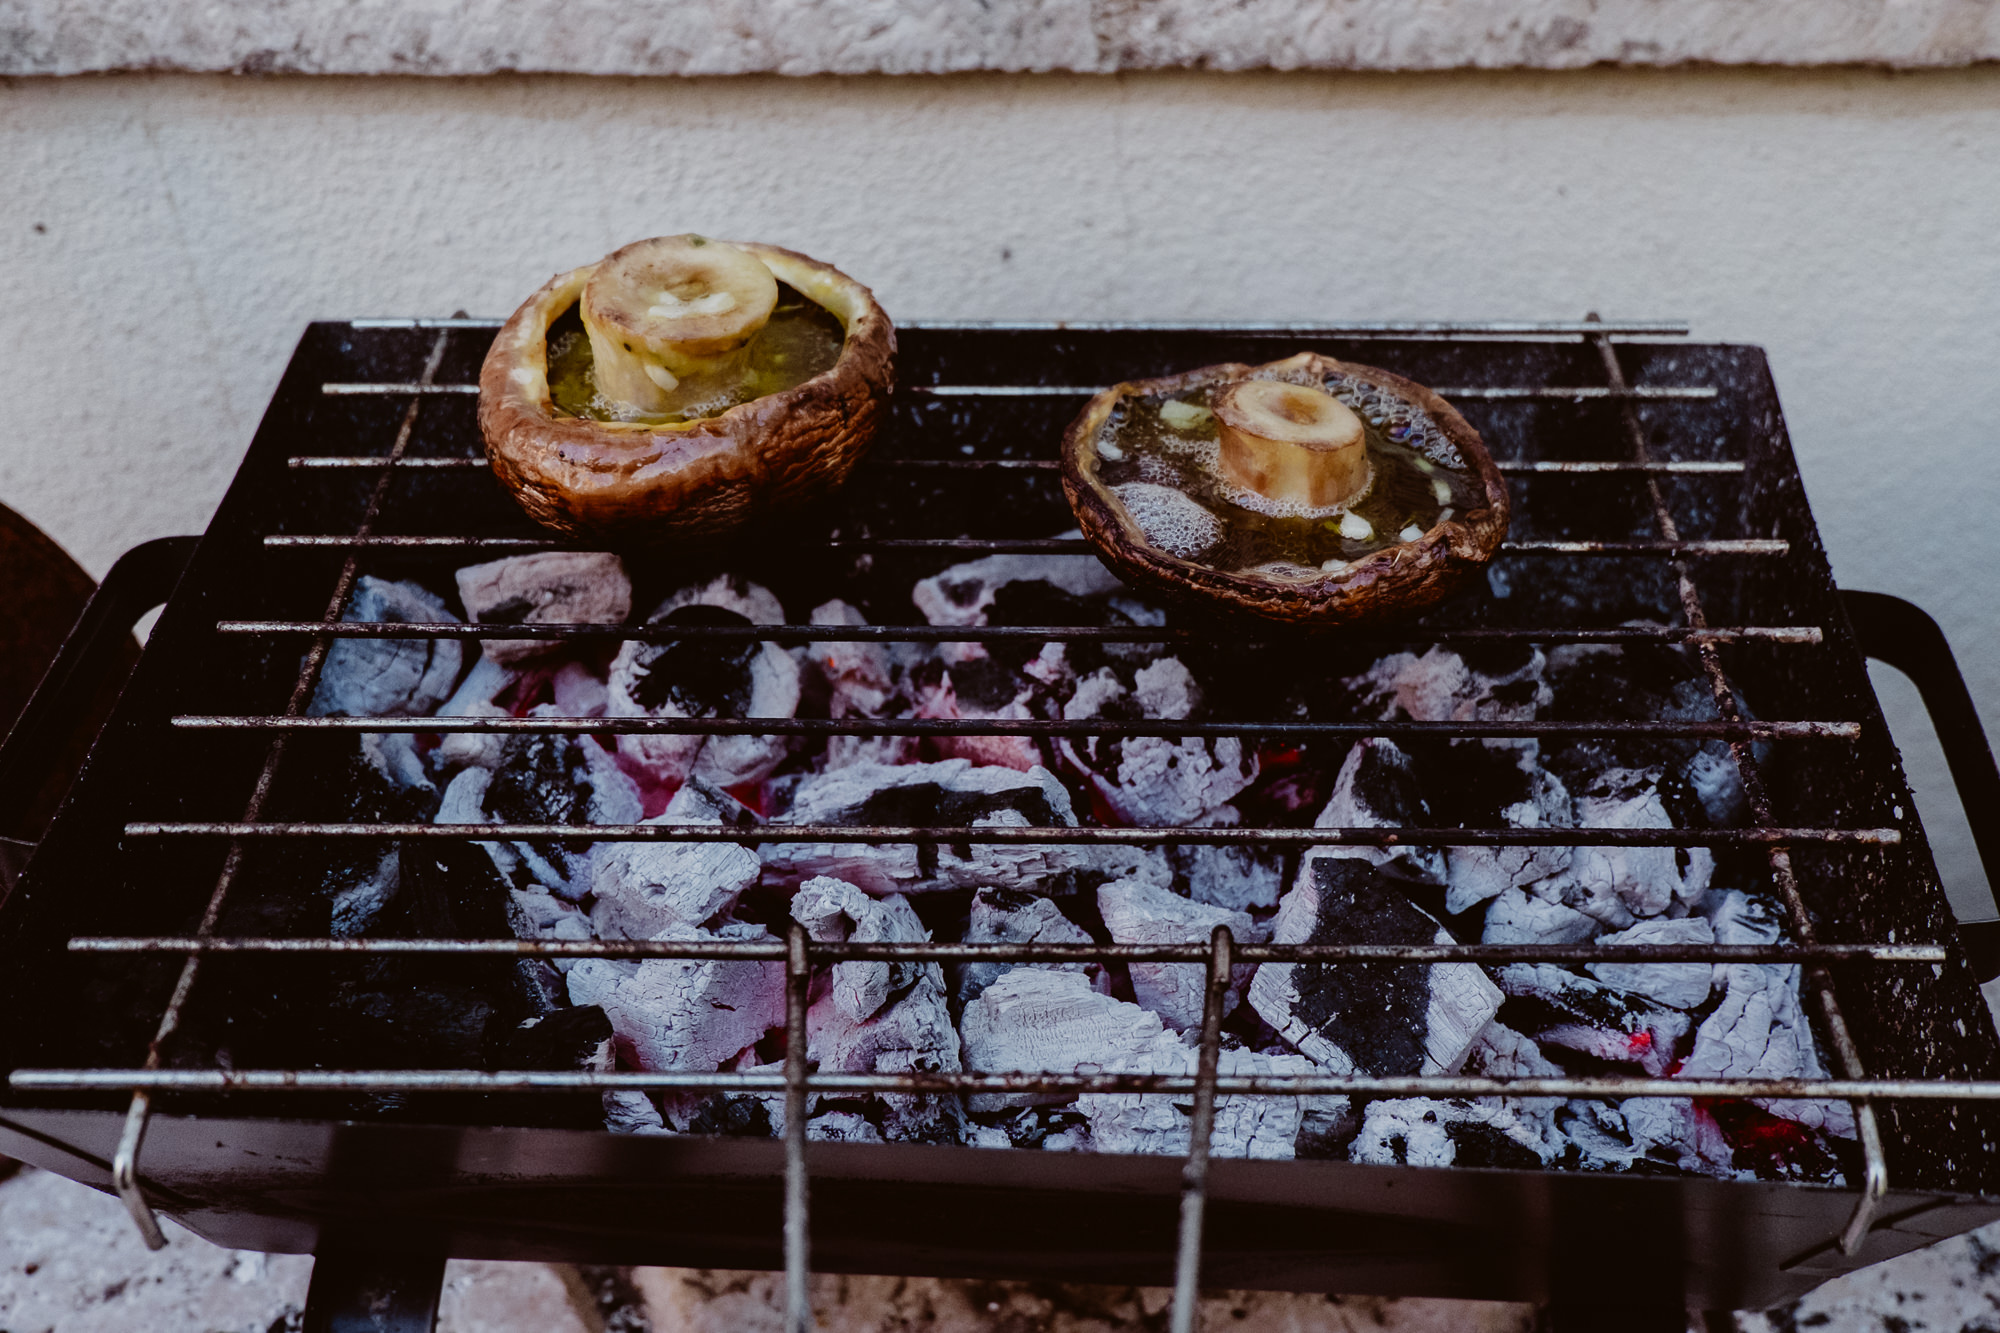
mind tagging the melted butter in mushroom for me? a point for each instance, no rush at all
(801, 340)
(1162, 456)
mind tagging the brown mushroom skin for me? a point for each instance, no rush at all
(634, 484)
(1395, 581)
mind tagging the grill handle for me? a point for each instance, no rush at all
(39, 758)
(1902, 635)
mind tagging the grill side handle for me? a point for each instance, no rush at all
(41, 756)
(1903, 635)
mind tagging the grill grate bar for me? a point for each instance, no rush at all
(1491, 955)
(1201, 1130)
(666, 633)
(906, 726)
(1847, 1055)
(125, 1163)
(1512, 466)
(797, 1237)
(1394, 328)
(1563, 393)
(998, 546)
(1014, 836)
(1863, 1091)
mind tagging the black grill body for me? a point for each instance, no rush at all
(525, 1176)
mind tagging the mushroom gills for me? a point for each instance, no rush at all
(802, 339)
(1175, 443)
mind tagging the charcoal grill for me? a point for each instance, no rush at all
(1652, 481)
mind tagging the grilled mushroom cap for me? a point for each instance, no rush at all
(635, 483)
(1396, 580)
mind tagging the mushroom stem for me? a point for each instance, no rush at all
(669, 310)
(1291, 443)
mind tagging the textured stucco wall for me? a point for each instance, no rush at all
(169, 235)
(945, 36)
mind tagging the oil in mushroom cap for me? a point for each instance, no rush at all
(802, 339)
(1170, 442)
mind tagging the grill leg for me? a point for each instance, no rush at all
(373, 1293)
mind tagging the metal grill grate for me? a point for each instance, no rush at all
(1629, 456)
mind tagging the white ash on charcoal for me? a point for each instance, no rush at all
(1139, 913)
(544, 779)
(1048, 1128)
(881, 1017)
(1442, 686)
(1558, 1007)
(684, 1013)
(1239, 878)
(645, 888)
(963, 594)
(1525, 916)
(479, 695)
(537, 914)
(1011, 916)
(864, 680)
(1372, 1018)
(1154, 781)
(1760, 1029)
(1378, 787)
(1487, 1131)
(547, 588)
(1421, 1131)
(1479, 785)
(1042, 1022)
(1678, 985)
(707, 678)
(982, 687)
(388, 677)
(1621, 885)
(1698, 780)
(1271, 1128)
(952, 792)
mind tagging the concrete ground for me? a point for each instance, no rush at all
(70, 1262)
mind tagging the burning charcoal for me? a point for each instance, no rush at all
(361, 900)
(678, 1013)
(1677, 985)
(1760, 1030)
(393, 754)
(834, 911)
(543, 779)
(961, 594)
(569, 1038)
(757, 1115)
(983, 688)
(952, 792)
(1618, 885)
(477, 695)
(842, 1127)
(1520, 794)
(864, 680)
(1502, 1052)
(881, 1017)
(1240, 879)
(1245, 1126)
(703, 678)
(629, 1111)
(1009, 916)
(1138, 913)
(1421, 1131)
(1645, 683)
(644, 888)
(550, 587)
(579, 691)
(1560, 1008)
(1441, 686)
(1049, 1128)
(1520, 917)
(1154, 781)
(1035, 1021)
(1378, 788)
(388, 677)
(1678, 1133)
(1375, 1018)
(535, 914)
